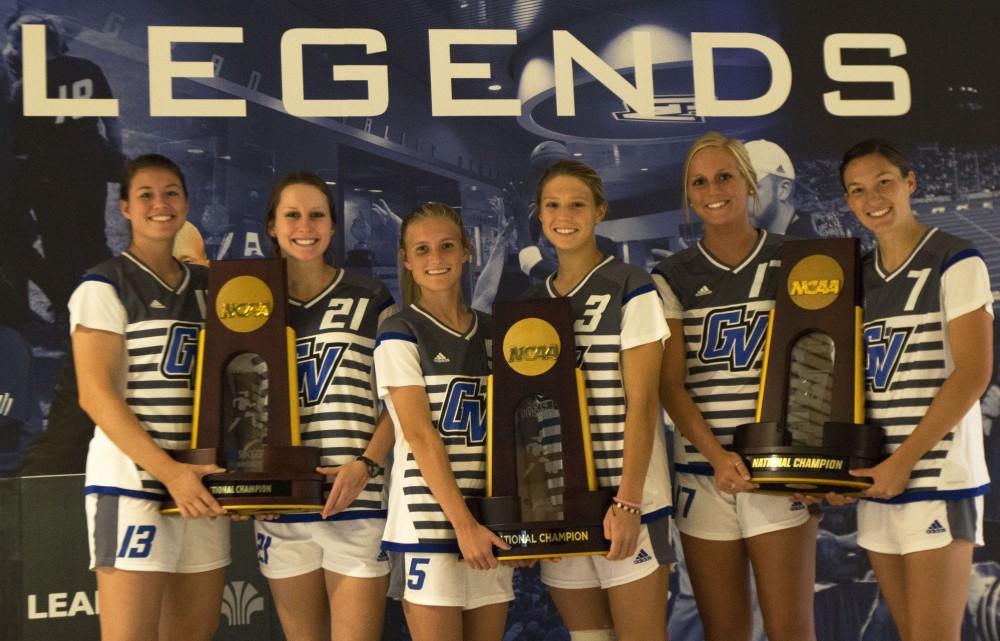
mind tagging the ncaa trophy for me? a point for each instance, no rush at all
(247, 314)
(541, 485)
(809, 429)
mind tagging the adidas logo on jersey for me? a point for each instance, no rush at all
(704, 291)
(936, 528)
(157, 305)
(382, 556)
(441, 358)
(641, 557)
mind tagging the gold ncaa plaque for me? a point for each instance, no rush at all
(531, 346)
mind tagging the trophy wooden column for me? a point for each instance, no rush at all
(819, 292)
(534, 353)
(247, 312)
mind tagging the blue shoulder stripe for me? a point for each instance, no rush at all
(101, 279)
(394, 336)
(638, 291)
(960, 256)
(118, 491)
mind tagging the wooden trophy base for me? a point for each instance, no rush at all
(581, 533)
(781, 468)
(287, 484)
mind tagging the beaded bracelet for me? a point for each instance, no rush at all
(626, 508)
(631, 504)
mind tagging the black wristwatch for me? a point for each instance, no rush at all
(374, 469)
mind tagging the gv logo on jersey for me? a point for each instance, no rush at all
(464, 410)
(316, 368)
(883, 349)
(733, 336)
(181, 352)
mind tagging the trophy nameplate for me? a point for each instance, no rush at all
(534, 363)
(247, 313)
(809, 429)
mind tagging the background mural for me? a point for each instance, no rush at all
(463, 101)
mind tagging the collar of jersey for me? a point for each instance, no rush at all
(887, 276)
(339, 276)
(141, 265)
(472, 328)
(551, 279)
(761, 237)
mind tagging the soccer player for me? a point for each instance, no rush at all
(325, 569)
(134, 322)
(717, 295)
(619, 332)
(432, 360)
(928, 330)
(63, 163)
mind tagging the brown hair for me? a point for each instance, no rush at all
(714, 139)
(879, 146)
(296, 178)
(407, 286)
(575, 169)
(148, 161)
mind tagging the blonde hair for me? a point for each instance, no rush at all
(408, 287)
(714, 139)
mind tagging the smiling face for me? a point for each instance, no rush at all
(303, 224)
(878, 193)
(434, 253)
(156, 205)
(716, 188)
(569, 214)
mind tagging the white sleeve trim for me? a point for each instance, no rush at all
(965, 287)
(95, 304)
(397, 364)
(642, 321)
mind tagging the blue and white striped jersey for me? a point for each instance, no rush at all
(616, 307)
(159, 325)
(335, 344)
(908, 358)
(724, 313)
(414, 348)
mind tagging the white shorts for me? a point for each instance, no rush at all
(705, 512)
(578, 572)
(130, 534)
(922, 525)
(442, 579)
(350, 547)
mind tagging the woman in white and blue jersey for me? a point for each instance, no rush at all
(928, 332)
(134, 322)
(716, 298)
(619, 332)
(432, 361)
(326, 571)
